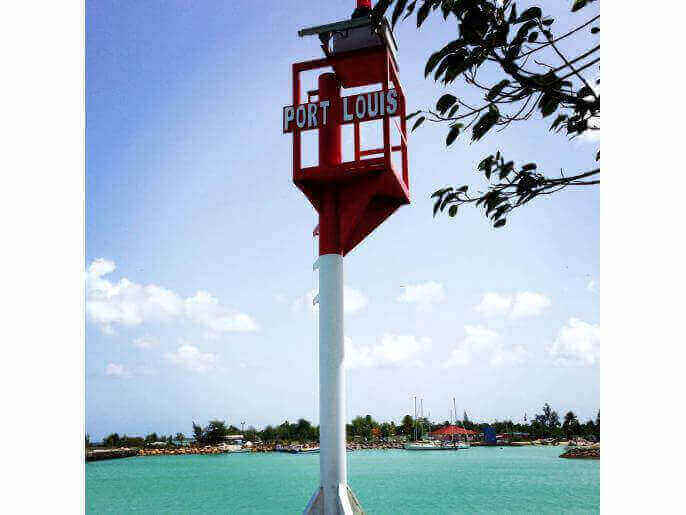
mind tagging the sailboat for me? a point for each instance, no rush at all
(423, 445)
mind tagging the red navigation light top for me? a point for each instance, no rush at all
(364, 3)
(352, 196)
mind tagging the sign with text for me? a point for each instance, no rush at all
(363, 107)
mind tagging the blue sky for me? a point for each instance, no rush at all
(200, 252)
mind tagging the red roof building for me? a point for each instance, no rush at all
(453, 430)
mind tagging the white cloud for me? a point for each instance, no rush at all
(125, 302)
(145, 343)
(577, 342)
(592, 286)
(354, 301)
(527, 304)
(508, 354)
(522, 304)
(204, 309)
(116, 370)
(392, 350)
(189, 357)
(494, 304)
(131, 304)
(424, 295)
(305, 302)
(484, 345)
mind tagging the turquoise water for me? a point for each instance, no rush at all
(477, 480)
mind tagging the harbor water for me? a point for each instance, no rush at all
(476, 480)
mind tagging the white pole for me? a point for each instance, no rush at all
(332, 462)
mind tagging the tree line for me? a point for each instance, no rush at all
(546, 424)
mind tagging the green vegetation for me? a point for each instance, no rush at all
(513, 67)
(543, 425)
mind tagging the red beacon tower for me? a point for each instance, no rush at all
(352, 197)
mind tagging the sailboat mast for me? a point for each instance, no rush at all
(415, 418)
(455, 410)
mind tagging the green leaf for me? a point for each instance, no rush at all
(548, 22)
(558, 121)
(441, 192)
(530, 14)
(548, 105)
(513, 14)
(437, 57)
(595, 30)
(505, 170)
(500, 223)
(496, 90)
(533, 37)
(453, 133)
(399, 6)
(446, 6)
(410, 9)
(523, 31)
(437, 205)
(529, 166)
(453, 109)
(579, 4)
(485, 123)
(412, 115)
(445, 102)
(423, 12)
(597, 156)
(452, 211)
(418, 122)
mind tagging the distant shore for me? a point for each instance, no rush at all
(583, 452)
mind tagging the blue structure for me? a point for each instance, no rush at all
(489, 436)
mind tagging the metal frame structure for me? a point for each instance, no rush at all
(389, 75)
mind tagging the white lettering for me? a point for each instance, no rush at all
(375, 111)
(311, 115)
(392, 101)
(324, 104)
(360, 107)
(288, 115)
(346, 115)
(300, 117)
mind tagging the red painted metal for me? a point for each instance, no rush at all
(364, 3)
(353, 197)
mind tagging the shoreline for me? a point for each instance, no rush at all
(582, 452)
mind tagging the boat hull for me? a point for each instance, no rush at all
(410, 447)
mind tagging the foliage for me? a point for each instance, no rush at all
(571, 425)
(363, 426)
(407, 425)
(197, 433)
(544, 425)
(114, 440)
(549, 419)
(493, 38)
(111, 440)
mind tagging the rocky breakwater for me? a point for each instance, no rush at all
(381, 446)
(179, 451)
(110, 454)
(584, 453)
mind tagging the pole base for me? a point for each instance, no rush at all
(347, 503)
